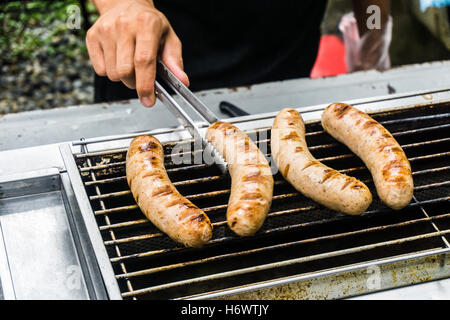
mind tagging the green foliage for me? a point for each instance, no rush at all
(29, 27)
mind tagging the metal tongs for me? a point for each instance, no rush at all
(182, 117)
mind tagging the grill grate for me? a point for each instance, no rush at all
(299, 236)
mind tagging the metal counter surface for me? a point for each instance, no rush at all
(433, 290)
(45, 127)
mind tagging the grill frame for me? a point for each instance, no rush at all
(103, 145)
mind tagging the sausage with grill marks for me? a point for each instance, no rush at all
(312, 178)
(251, 178)
(158, 198)
(377, 148)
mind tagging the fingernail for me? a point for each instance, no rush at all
(146, 102)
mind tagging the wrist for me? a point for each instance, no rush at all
(104, 5)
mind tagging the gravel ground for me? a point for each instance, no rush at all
(47, 80)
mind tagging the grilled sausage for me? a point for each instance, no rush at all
(377, 148)
(312, 178)
(251, 178)
(157, 197)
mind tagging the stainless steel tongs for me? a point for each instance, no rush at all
(182, 117)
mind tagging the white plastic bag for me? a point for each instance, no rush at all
(425, 4)
(369, 52)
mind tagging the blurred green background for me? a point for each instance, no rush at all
(29, 27)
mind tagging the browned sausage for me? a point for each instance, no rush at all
(157, 197)
(251, 178)
(309, 176)
(377, 148)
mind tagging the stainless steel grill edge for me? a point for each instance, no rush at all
(300, 241)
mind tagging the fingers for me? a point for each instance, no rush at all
(109, 53)
(171, 55)
(145, 55)
(125, 52)
(125, 42)
(95, 53)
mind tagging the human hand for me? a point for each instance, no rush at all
(126, 41)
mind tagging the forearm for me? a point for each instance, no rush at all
(361, 14)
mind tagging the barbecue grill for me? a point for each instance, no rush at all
(303, 250)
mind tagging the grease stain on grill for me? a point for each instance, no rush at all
(147, 263)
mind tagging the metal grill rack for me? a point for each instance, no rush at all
(298, 237)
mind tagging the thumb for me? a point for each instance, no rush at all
(172, 57)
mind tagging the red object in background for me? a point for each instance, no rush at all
(330, 59)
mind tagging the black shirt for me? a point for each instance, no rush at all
(238, 42)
